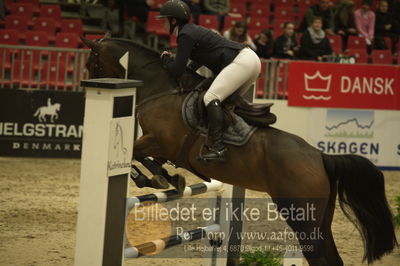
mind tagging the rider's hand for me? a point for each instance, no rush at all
(165, 53)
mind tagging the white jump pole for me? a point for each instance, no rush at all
(105, 167)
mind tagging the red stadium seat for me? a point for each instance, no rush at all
(382, 57)
(253, 33)
(360, 55)
(72, 25)
(209, 21)
(9, 36)
(229, 22)
(51, 11)
(21, 76)
(260, 2)
(388, 43)
(260, 11)
(238, 8)
(66, 40)
(305, 3)
(34, 3)
(284, 12)
(172, 41)
(46, 24)
(94, 36)
(258, 23)
(19, 23)
(336, 43)
(55, 75)
(283, 3)
(276, 33)
(355, 42)
(21, 9)
(157, 4)
(155, 25)
(36, 38)
(278, 25)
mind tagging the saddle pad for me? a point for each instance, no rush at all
(236, 134)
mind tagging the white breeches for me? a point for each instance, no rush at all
(238, 75)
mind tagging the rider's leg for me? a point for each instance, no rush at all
(242, 71)
(217, 150)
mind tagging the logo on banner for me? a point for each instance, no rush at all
(49, 110)
(349, 132)
(119, 158)
(349, 124)
(318, 86)
(118, 143)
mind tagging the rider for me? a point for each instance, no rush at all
(236, 67)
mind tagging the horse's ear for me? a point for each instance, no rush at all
(89, 43)
(107, 35)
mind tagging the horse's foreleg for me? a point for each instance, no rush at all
(147, 146)
(143, 147)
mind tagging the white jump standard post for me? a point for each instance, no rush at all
(105, 167)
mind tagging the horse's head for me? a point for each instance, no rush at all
(57, 106)
(103, 61)
(100, 63)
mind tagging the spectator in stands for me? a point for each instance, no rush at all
(2, 10)
(238, 33)
(322, 10)
(265, 44)
(196, 7)
(386, 26)
(285, 46)
(365, 22)
(315, 44)
(344, 20)
(139, 8)
(394, 8)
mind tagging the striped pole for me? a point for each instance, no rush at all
(173, 194)
(156, 246)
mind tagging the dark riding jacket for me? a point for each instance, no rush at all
(203, 47)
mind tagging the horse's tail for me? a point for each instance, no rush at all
(361, 190)
(37, 112)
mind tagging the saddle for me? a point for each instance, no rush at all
(257, 115)
(241, 117)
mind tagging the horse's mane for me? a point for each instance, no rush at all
(137, 44)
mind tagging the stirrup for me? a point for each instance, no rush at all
(212, 155)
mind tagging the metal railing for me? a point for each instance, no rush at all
(42, 67)
(52, 68)
(273, 81)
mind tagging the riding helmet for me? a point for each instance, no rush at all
(175, 9)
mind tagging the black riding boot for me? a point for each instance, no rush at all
(216, 149)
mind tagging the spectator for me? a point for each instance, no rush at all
(322, 10)
(365, 22)
(344, 20)
(265, 44)
(394, 8)
(315, 44)
(238, 33)
(386, 26)
(286, 45)
(196, 7)
(139, 8)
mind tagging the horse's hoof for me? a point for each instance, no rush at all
(178, 182)
(159, 182)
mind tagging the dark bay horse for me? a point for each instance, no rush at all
(274, 161)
